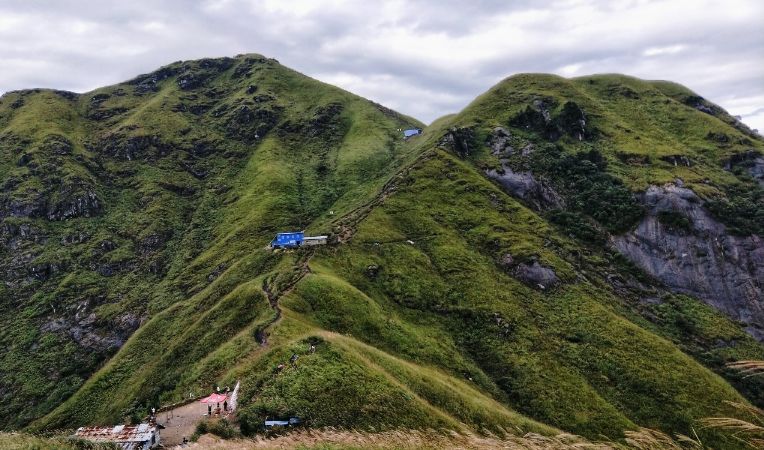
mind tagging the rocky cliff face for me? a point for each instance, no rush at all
(525, 186)
(681, 244)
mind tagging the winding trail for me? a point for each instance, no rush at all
(302, 269)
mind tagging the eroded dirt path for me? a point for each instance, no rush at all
(301, 269)
(180, 422)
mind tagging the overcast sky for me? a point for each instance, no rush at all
(425, 58)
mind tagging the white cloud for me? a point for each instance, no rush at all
(657, 51)
(570, 70)
(425, 58)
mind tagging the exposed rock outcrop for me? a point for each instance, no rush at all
(536, 275)
(751, 161)
(85, 329)
(74, 201)
(526, 187)
(569, 121)
(677, 160)
(499, 142)
(757, 170)
(531, 272)
(701, 259)
(459, 140)
(14, 236)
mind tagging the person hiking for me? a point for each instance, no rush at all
(225, 405)
(293, 359)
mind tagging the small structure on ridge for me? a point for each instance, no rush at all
(291, 422)
(411, 132)
(295, 239)
(139, 437)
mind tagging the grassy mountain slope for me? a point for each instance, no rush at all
(649, 132)
(121, 204)
(136, 218)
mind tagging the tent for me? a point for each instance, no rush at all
(214, 398)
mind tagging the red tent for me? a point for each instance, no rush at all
(214, 398)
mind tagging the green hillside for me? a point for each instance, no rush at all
(136, 218)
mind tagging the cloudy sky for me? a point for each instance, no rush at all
(425, 58)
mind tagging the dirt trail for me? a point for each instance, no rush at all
(181, 422)
(346, 227)
(301, 269)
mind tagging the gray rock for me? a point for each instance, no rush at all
(32, 206)
(677, 160)
(543, 106)
(75, 202)
(528, 149)
(220, 268)
(751, 160)
(756, 170)
(498, 141)
(459, 140)
(531, 273)
(725, 271)
(536, 275)
(525, 186)
(85, 329)
(153, 242)
(15, 236)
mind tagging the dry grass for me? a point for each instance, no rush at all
(749, 368)
(750, 431)
(329, 438)
(647, 439)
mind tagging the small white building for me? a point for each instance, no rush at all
(139, 437)
(314, 240)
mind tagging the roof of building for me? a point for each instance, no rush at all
(127, 437)
(272, 423)
(316, 237)
(411, 132)
(214, 398)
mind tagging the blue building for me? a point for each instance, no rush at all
(411, 132)
(290, 239)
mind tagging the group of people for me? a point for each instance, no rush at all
(217, 410)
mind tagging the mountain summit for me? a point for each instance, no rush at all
(564, 254)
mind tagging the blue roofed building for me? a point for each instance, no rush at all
(295, 239)
(289, 239)
(411, 132)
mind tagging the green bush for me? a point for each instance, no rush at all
(588, 189)
(675, 221)
(219, 427)
(577, 225)
(741, 209)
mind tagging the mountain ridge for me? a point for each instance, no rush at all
(485, 250)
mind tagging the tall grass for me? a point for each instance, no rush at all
(749, 431)
(749, 368)
(331, 438)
